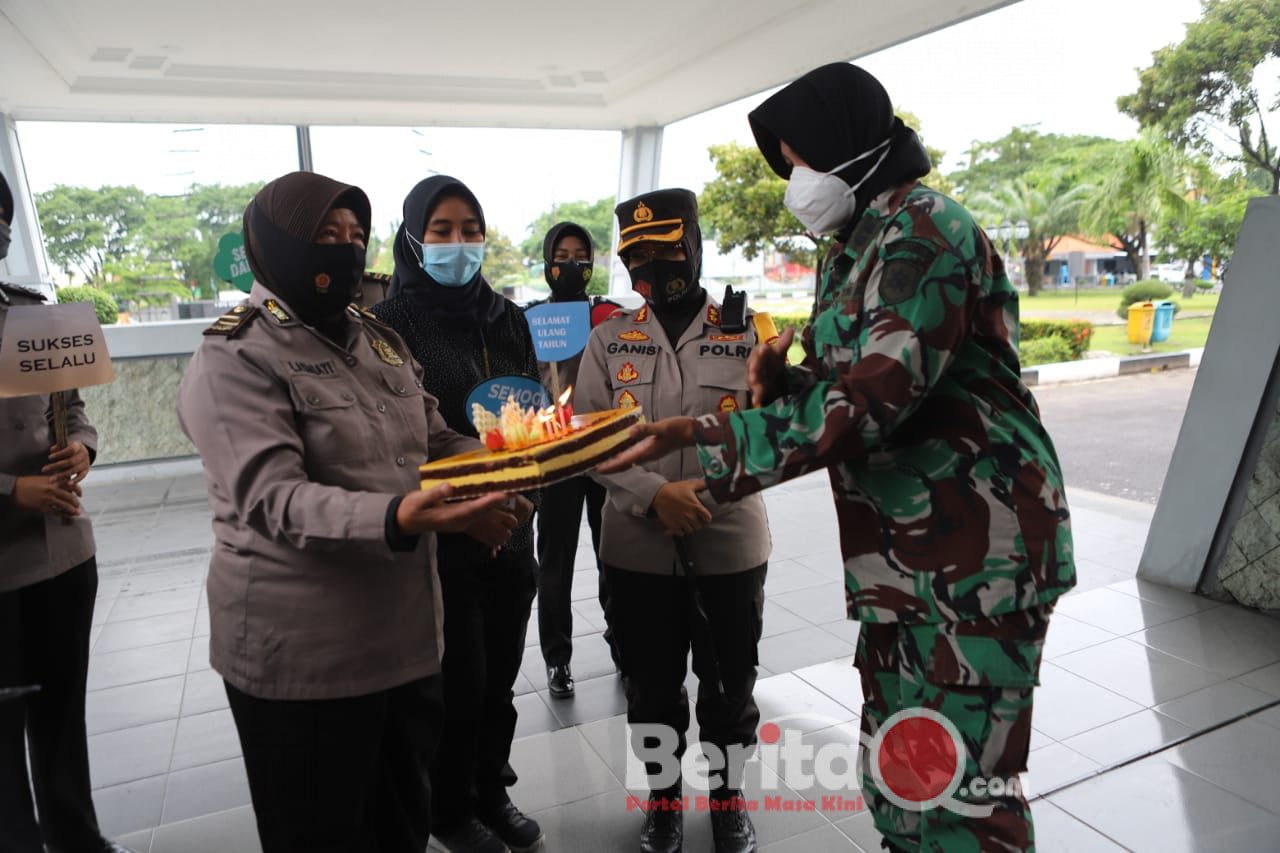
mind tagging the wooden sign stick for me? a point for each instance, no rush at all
(555, 391)
(58, 400)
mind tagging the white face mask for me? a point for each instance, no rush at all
(820, 200)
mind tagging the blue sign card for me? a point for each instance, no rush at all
(560, 329)
(492, 393)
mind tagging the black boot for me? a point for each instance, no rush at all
(663, 830)
(518, 831)
(560, 681)
(470, 836)
(731, 824)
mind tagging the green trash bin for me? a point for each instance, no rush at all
(1142, 317)
(1162, 324)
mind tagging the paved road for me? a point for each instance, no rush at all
(1117, 436)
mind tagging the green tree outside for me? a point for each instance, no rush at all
(1049, 216)
(1205, 89)
(1143, 181)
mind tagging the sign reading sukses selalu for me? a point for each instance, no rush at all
(47, 348)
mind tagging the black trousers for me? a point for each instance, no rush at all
(486, 614)
(559, 518)
(44, 640)
(341, 774)
(656, 623)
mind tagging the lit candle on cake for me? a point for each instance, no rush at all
(563, 408)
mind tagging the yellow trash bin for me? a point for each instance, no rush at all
(1142, 319)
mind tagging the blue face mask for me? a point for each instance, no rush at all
(452, 264)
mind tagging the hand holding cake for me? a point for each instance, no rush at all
(652, 441)
(430, 510)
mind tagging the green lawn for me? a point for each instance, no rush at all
(1061, 303)
(1186, 334)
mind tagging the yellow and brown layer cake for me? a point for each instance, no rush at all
(589, 440)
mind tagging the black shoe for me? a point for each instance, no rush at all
(470, 836)
(560, 681)
(518, 831)
(731, 824)
(663, 830)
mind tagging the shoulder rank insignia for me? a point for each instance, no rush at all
(642, 316)
(633, 335)
(275, 310)
(386, 352)
(230, 323)
(373, 287)
(360, 311)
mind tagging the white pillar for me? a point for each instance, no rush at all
(27, 263)
(305, 163)
(637, 173)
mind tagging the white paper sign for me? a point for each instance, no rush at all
(47, 348)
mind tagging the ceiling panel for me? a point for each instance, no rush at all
(526, 64)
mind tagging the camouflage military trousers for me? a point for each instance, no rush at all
(978, 675)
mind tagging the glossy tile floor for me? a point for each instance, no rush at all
(1157, 726)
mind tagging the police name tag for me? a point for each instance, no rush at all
(492, 393)
(560, 329)
(49, 348)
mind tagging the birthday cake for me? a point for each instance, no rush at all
(531, 448)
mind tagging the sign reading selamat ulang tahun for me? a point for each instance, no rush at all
(48, 348)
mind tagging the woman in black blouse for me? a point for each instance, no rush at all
(463, 333)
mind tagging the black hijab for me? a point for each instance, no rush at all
(475, 303)
(831, 115)
(280, 225)
(562, 229)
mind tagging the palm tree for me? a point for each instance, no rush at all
(1049, 216)
(1148, 179)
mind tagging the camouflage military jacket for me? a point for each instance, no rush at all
(948, 490)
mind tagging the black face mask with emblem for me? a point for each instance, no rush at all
(666, 285)
(569, 278)
(316, 280)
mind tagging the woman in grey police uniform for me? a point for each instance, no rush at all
(48, 584)
(681, 571)
(324, 602)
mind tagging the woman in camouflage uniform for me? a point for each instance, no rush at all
(953, 521)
